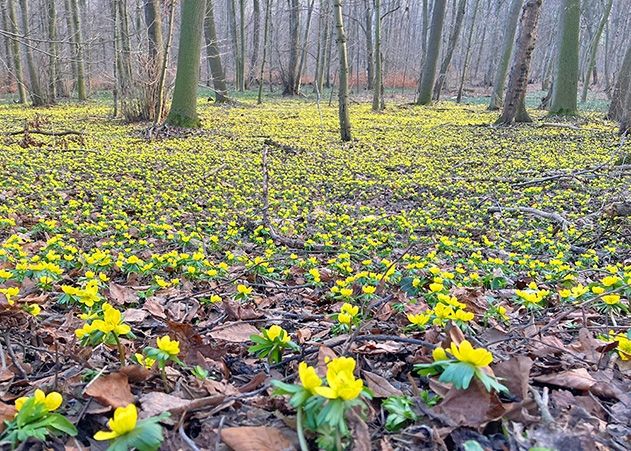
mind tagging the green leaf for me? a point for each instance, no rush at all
(62, 424)
(459, 374)
(472, 445)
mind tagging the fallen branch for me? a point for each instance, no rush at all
(564, 223)
(558, 125)
(42, 132)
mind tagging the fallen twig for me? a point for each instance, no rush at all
(564, 223)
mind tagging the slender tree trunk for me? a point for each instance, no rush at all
(153, 21)
(4, 22)
(621, 88)
(378, 103)
(566, 74)
(294, 45)
(268, 13)
(77, 40)
(370, 51)
(15, 51)
(213, 55)
(256, 31)
(625, 120)
(53, 57)
(344, 116)
(184, 106)
(465, 66)
(165, 63)
(593, 48)
(303, 51)
(426, 83)
(37, 95)
(507, 49)
(232, 31)
(451, 45)
(514, 104)
(241, 45)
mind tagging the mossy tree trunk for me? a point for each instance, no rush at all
(507, 49)
(344, 116)
(514, 105)
(378, 103)
(213, 55)
(15, 52)
(625, 119)
(621, 88)
(153, 22)
(37, 95)
(294, 45)
(77, 42)
(451, 46)
(184, 106)
(564, 93)
(428, 75)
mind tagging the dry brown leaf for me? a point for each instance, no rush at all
(155, 308)
(577, 379)
(155, 403)
(135, 315)
(380, 386)
(7, 412)
(361, 434)
(262, 438)
(515, 373)
(235, 332)
(473, 407)
(111, 390)
(121, 295)
(324, 354)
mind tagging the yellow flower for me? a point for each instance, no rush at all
(434, 287)
(624, 345)
(308, 377)
(344, 318)
(52, 401)
(171, 347)
(611, 299)
(315, 274)
(349, 309)
(215, 298)
(369, 289)
(341, 380)
(33, 309)
(466, 353)
(244, 290)
(112, 322)
(610, 280)
(463, 316)
(419, 319)
(346, 292)
(598, 290)
(123, 422)
(439, 354)
(276, 331)
(147, 362)
(70, 291)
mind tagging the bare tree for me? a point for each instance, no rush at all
(428, 75)
(451, 46)
(15, 51)
(514, 104)
(565, 88)
(344, 116)
(213, 55)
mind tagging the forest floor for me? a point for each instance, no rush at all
(438, 226)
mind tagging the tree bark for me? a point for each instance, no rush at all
(37, 95)
(514, 104)
(344, 117)
(451, 45)
(593, 48)
(507, 49)
(256, 31)
(184, 106)
(625, 121)
(303, 51)
(53, 50)
(428, 76)
(465, 66)
(234, 40)
(621, 88)
(266, 26)
(15, 51)
(370, 50)
(165, 63)
(564, 101)
(294, 45)
(77, 41)
(378, 103)
(241, 59)
(153, 21)
(213, 55)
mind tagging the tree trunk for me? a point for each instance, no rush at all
(165, 63)
(234, 40)
(77, 41)
(184, 106)
(507, 49)
(241, 60)
(153, 21)
(593, 48)
(621, 88)
(378, 103)
(566, 74)
(625, 120)
(345, 122)
(467, 54)
(294, 45)
(15, 51)
(514, 104)
(53, 50)
(256, 31)
(370, 51)
(428, 76)
(37, 95)
(303, 51)
(451, 45)
(268, 12)
(213, 55)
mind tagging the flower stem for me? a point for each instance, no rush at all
(121, 350)
(301, 432)
(163, 375)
